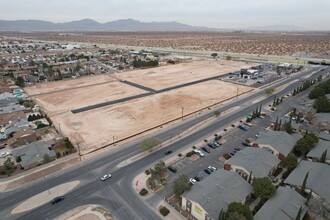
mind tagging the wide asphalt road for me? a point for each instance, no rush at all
(116, 194)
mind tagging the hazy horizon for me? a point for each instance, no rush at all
(236, 14)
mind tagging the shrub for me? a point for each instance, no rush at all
(179, 154)
(233, 126)
(147, 172)
(143, 192)
(189, 154)
(226, 156)
(278, 171)
(58, 154)
(164, 211)
(194, 147)
(225, 129)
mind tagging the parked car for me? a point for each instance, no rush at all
(237, 149)
(208, 171)
(199, 153)
(198, 178)
(57, 200)
(246, 144)
(232, 154)
(192, 181)
(105, 177)
(248, 124)
(206, 149)
(216, 143)
(211, 145)
(4, 154)
(172, 169)
(212, 168)
(168, 152)
(242, 127)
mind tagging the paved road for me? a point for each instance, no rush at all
(117, 194)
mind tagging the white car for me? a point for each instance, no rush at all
(105, 177)
(4, 154)
(192, 181)
(212, 168)
(199, 153)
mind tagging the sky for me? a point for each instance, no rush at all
(306, 14)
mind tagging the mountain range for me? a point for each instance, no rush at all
(121, 25)
(91, 25)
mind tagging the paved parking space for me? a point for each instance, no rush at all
(193, 168)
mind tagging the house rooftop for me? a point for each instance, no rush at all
(6, 95)
(284, 205)
(34, 152)
(324, 135)
(218, 190)
(318, 177)
(259, 161)
(319, 149)
(279, 140)
(11, 108)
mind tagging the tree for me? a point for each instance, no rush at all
(20, 81)
(149, 143)
(250, 177)
(322, 104)
(264, 188)
(290, 162)
(68, 144)
(288, 127)
(303, 187)
(298, 217)
(235, 208)
(228, 57)
(236, 216)
(323, 156)
(316, 92)
(310, 116)
(222, 215)
(8, 166)
(269, 90)
(309, 196)
(46, 158)
(214, 55)
(180, 185)
(302, 147)
(217, 113)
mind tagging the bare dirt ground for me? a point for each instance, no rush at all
(101, 126)
(38, 89)
(309, 44)
(98, 127)
(85, 96)
(172, 75)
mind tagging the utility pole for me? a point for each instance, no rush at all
(79, 152)
(182, 113)
(237, 92)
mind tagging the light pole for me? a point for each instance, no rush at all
(182, 113)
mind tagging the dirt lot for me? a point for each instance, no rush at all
(67, 84)
(85, 96)
(97, 127)
(167, 76)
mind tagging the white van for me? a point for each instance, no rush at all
(199, 153)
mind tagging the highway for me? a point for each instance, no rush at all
(117, 194)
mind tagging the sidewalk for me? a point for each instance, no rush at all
(36, 173)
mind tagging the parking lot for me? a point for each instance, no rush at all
(231, 140)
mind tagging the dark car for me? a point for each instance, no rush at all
(232, 154)
(208, 171)
(198, 178)
(211, 145)
(57, 199)
(246, 144)
(237, 149)
(172, 169)
(206, 149)
(168, 152)
(242, 127)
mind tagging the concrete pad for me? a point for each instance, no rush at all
(44, 197)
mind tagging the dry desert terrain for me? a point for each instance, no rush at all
(100, 126)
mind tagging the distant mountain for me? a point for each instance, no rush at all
(276, 28)
(91, 25)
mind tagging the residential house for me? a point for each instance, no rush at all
(6, 118)
(318, 178)
(284, 205)
(11, 108)
(21, 137)
(206, 199)
(32, 154)
(316, 153)
(6, 95)
(279, 143)
(324, 135)
(8, 102)
(258, 162)
(15, 126)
